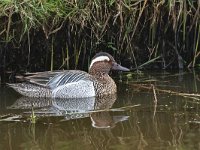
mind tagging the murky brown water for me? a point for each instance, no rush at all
(131, 120)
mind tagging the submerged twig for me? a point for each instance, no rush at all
(113, 109)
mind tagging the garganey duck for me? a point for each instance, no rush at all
(73, 83)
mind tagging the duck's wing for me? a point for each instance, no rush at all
(41, 78)
(57, 78)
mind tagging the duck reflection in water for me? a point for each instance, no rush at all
(94, 107)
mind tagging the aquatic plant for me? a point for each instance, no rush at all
(32, 116)
(55, 34)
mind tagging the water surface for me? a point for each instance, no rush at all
(152, 110)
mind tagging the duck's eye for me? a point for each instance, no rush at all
(105, 60)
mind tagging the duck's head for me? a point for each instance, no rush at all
(104, 62)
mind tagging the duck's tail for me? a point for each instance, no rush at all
(30, 90)
(15, 86)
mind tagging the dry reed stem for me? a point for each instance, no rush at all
(187, 95)
(155, 100)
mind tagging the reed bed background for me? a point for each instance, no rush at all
(38, 35)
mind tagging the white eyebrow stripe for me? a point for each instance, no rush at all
(100, 58)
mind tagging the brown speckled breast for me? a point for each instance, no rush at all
(104, 85)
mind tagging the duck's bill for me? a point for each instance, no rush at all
(119, 67)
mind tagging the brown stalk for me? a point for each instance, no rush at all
(136, 24)
(9, 24)
(155, 100)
